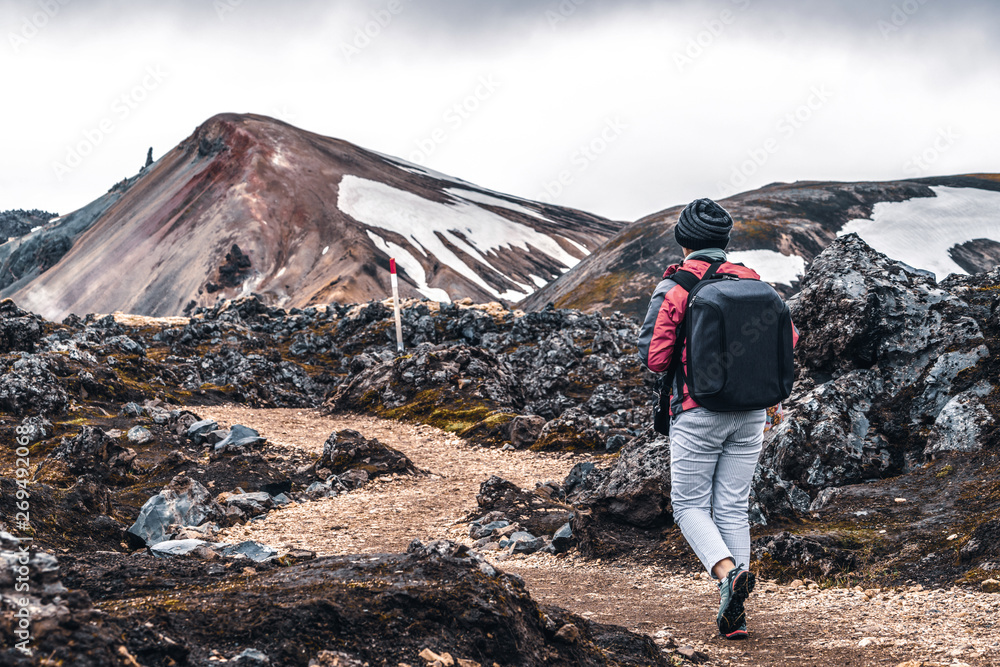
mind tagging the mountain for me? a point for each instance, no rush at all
(250, 204)
(20, 222)
(943, 225)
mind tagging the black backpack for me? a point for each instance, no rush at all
(739, 338)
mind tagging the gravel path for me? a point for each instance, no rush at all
(799, 625)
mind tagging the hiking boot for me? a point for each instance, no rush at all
(733, 592)
(738, 633)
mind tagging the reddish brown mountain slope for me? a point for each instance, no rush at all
(279, 194)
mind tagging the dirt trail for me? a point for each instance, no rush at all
(788, 626)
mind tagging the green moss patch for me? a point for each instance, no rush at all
(432, 407)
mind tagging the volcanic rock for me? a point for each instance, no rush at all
(815, 555)
(976, 255)
(439, 594)
(576, 480)
(255, 551)
(318, 490)
(524, 430)
(29, 386)
(250, 658)
(19, 329)
(983, 544)
(198, 431)
(132, 409)
(169, 548)
(478, 531)
(139, 435)
(254, 378)
(633, 493)
(183, 502)
(882, 352)
(523, 543)
(858, 308)
(92, 452)
(636, 488)
(34, 428)
(240, 439)
(470, 381)
(568, 633)
(251, 504)
(962, 422)
(18, 222)
(64, 626)
(575, 428)
(563, 538)
(126, 345)
(536, 513)
(348, 450)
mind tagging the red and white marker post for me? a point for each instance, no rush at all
(395, 304)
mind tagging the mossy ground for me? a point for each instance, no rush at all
(757, 233)
(604, 289)
(434, 408)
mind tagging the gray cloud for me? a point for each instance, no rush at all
(490, 16)
(901, 70)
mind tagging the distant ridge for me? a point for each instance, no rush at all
(948, 224)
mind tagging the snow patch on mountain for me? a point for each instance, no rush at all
(408, 263)
(463, 190)
(920, 231)
(772, 266)
(490, 200)
(577, 245)
(428, 224)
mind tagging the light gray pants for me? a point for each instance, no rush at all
(713, 456)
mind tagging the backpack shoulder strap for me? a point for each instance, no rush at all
(685, 279)
(713, 271)
(688, 281)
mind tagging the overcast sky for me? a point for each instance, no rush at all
(621, 108)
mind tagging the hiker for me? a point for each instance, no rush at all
(713, 452)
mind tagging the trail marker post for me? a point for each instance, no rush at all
(395, 304)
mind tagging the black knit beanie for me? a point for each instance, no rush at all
(703, 224)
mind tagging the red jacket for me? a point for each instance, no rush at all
(664, 315)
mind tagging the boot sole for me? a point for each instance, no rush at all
(733, 617)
